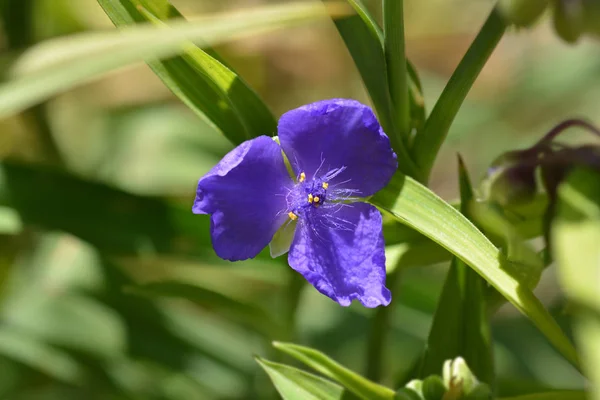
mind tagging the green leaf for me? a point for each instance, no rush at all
(22, 347)
(70, 321)
(295, 384)
(10, 223)
(58, 65)
(460, 325)
(199, 78)
(575, 238)
(248, 314)
(111, 219)
(364, 41)
(355, 383)
(557, 395)
(394, 48)
(428, 142)
(416, 206)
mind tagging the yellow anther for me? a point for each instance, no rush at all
(310, 198)
(302, 177)
(325, 185)
(316, 199)
(292, 216)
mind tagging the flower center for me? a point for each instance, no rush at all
(306, 195)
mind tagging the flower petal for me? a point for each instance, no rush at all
(342, 254)
(245, 195)
(338, 133)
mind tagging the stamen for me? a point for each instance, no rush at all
(302, 177)
(325, 185)
(316, 199)
(310, 198)
(292, 216)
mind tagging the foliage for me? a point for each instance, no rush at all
(110, 288)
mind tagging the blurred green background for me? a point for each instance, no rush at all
(74, 245)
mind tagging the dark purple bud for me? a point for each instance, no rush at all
(511, 178)
(557, 165)
(514, 185)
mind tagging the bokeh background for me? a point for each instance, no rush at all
(73, 246)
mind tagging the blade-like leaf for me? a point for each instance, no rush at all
(364, 41)
(393, 18)
(558, 395)
(352, 381)
(460, 326)
(575, 238)
(69, 61)
(236, 309)
(416, 206)
(429, 140)
(111, 219)
(198, 77)
(21, 347)
(295, 384)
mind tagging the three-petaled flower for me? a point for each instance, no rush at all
(338, 153)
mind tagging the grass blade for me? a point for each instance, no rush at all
(200, 78)
(67, 62)
(575, 238)
(364, 41)
(416, 206)
(295, 384)
(428, 142)
(352, 381)
(237, 310)
(460, 326)
(393, 18)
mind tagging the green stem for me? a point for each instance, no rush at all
(393, 24)
(428, 142)
(292, 300)
(380, 328)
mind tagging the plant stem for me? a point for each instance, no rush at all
(428, 142)
(380, 327)
(292, 300)
(394, 47)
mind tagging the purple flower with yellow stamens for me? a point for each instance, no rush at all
(339, 154)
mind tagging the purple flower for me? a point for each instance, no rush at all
(339, 154)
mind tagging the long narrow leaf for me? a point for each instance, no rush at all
(416, 206)
(236, 309)
(199, 77)
(363, 388)
(393, 17)
(295, 384)
(460, 326)
(79, 58)
(575, 239)
(429, 140)
(364, 41)
(558, 395)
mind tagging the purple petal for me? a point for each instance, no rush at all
(342, 254)
(338, 133)
(245, 194)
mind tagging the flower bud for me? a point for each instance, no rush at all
(511, 178)
(514, 186)
(433, 388)
(592, 16)
(569, 19)
(522, 13)
(459, 379)
(479, 392)
(407, 394)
